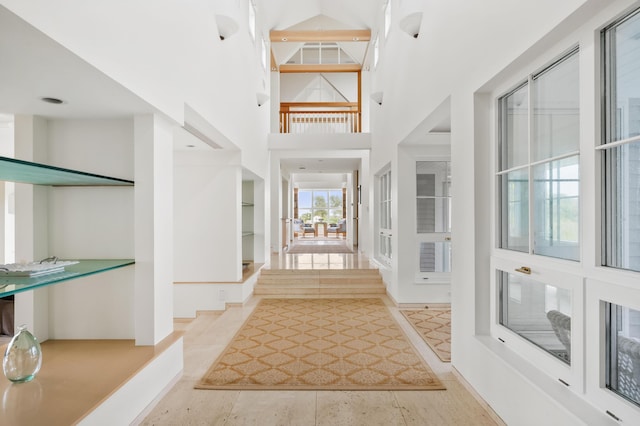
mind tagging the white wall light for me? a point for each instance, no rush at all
(377, 97)
(410, 24)
(226, 26)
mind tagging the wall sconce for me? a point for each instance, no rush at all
(377, 97)
(262, 98)
(226, 26)
(410, 24)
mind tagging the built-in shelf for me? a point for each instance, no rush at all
(14, 170)
(13, 285)
(247, 234)
(246, 204)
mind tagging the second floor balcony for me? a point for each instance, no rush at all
(320, 117)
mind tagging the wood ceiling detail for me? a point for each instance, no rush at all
(287, 68)
(279, 36)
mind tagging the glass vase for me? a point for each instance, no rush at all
(23, 357)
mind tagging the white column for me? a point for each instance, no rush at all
(153, 139)
(31, 206)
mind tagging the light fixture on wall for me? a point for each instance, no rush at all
(411, 24)
(377, 97)
(262, 98)
(226, 26)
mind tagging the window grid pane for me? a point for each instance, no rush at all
(538, 312)
(515, 217)
(539, 203)
(557, 190)
(556, 107)
(313, 205)
(621, 165)
(623, 352)
(514, 138)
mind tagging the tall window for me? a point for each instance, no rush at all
(252, 20)
(621, 147)
(384, 210)
(387, 19)
(376, 51)
(265, 54)
(320, 205)
(538, 169)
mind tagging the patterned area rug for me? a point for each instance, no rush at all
(319, 246)
(434, 325)
(320, 344)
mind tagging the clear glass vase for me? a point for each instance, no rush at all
(23, 357)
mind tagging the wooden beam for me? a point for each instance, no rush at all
(274, 64)
(289, 68)
(323, 36)
(320, 104)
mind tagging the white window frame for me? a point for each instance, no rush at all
(572, 374)
(431, 237)
(530, 165)
(384, 221)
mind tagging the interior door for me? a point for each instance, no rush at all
(433, 221)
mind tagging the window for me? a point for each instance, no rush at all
(376, 52)
(538, 312)
(265, 54)
(621, 147)
(384, 214)
(321, 205)
(252, 20)
(387, 19)
(623, 351)
(539, 163)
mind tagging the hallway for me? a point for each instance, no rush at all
(206, 337)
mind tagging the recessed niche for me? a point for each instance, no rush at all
(410, 24)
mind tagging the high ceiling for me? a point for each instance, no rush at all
(320, 15)
(295, 14)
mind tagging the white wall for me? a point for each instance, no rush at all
(169, 54)
(92, 223)
(208, 217)
(505, 36)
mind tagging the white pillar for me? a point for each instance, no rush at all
(153, 139)
(31, 206)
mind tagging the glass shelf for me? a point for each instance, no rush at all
(13, 285)
(245, 204)
(13, 170)
(247, 234)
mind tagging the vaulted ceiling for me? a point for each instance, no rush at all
(355, 20)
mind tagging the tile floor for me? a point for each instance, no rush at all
(207, 335)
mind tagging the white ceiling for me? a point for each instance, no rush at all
(284, 14)
(35, 66)
(316, 15)
(320, 165)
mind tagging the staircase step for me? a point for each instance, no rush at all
(319, 283)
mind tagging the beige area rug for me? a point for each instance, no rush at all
(319, 246)
(434, 325)
(320, 344)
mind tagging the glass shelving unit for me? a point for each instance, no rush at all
(14, 170)
(13, 285)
